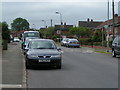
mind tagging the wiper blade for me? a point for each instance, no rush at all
(39, 48)
(43, 48)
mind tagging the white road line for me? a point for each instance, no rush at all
(10, 86)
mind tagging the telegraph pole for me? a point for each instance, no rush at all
(51, 22)
(108, 29)
(113, 19)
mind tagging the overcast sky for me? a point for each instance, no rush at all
(72, 11)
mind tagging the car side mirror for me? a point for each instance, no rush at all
(24, 45)
(58, 48)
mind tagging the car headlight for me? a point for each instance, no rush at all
(56, 56)
(32, 56)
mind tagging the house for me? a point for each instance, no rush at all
(89, 23)
(107, 26)
(63, 29)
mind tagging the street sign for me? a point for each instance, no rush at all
(58, 32)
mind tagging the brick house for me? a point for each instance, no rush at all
(63, 29)
(109, 29)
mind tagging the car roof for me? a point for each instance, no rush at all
(41, 40)
(29, 31)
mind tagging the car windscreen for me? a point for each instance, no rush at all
(31, 34)
(42, 45)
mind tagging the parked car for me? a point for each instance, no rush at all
(116, 46)
(64, 41)
(27, 41)
(16, 39)
(31, 34)
(43, 52)
(73, 43)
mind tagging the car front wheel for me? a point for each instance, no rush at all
(113, 53)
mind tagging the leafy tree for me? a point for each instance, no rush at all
(5, 31)
(49, 32)
(81, 31)
(20, 24)
(97, 37)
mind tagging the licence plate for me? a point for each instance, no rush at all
(43, 60)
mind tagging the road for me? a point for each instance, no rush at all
(81, 68)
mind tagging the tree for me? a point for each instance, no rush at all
(5, 31)
(49, 32)
(81, 31)
(97, 37)
(20, 24)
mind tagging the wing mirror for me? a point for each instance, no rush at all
(58, 48)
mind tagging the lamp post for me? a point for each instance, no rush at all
(60, 22)
(60, 17)
(34, 26)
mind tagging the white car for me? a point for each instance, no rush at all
(16, 39)
(64, 41)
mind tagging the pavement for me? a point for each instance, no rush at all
(13, 67)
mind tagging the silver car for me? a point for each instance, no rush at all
(73, 43)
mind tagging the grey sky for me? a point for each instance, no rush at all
(72, 12)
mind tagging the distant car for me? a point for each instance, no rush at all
(64, 41)
(116, 46)
(73, 43)
(16, 39)
(43, 52)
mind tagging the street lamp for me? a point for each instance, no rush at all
(60, 17)
(60, 21)
(44, 23)
(34, 26)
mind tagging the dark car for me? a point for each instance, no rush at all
(43, 52)
(116, 46)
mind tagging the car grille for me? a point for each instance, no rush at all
(44, 56)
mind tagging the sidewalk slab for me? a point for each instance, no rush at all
(12, 65)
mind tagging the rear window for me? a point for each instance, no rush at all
(31, 34)
(73, 40)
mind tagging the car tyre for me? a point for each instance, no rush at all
(27, 65)
(113, 53)
(58, 67)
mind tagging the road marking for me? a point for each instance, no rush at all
(10, 86)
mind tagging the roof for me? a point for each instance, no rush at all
(110, 22)
(90, 24)
(63, 27)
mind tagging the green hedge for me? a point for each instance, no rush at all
(88, 41)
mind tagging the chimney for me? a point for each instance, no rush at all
(65, 24)
(88, 19)
(116, 15)
(91, 20)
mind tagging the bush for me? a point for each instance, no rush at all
(85, 41)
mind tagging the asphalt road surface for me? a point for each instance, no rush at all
(81, 68)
